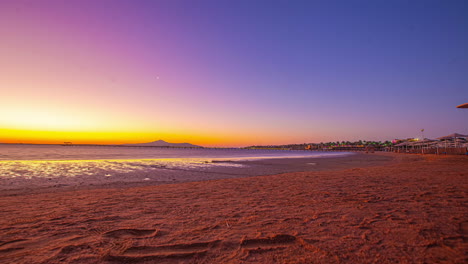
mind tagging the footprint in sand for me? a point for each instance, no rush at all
(11, 242)
(269, 243)
(11, 245)
(148, 253)
(130, 233)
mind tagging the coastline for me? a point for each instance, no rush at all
(160, 174)
(412, 209)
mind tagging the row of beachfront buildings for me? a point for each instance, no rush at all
(455, 140)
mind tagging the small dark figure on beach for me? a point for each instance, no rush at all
(370, 149)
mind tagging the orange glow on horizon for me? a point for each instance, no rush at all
(122, 137)
(110, 137)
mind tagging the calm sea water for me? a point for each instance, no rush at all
(57, 152)
(51, 161)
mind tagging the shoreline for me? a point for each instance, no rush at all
(139, 156)
(166, 175)
(410, 210)
(200, 158)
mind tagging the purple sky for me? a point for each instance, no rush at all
(233, 72)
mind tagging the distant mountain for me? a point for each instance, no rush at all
(162, 143)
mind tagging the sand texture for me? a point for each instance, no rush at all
(411, 211)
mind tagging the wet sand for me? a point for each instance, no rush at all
(396, 209)
(61, 175)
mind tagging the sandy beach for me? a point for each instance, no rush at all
(367, 209)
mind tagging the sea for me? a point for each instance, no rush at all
(52, 161)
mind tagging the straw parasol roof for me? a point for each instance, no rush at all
(463, 106)
(452, 136)
(425, 142)
(402, 144)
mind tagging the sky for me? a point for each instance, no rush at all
(231, 73)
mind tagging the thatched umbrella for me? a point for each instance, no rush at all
(425, 142)
(453, 136)
(463, 106)
(402, 144)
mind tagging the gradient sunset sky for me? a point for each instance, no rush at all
(231, 73)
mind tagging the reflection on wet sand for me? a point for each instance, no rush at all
(74, 168)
